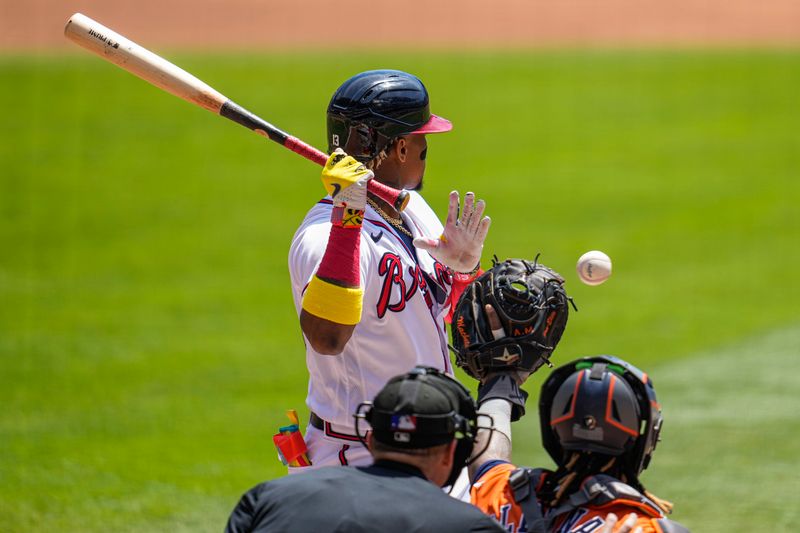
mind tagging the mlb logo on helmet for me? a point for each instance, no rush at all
(404, 422)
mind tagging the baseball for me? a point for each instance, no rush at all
(594, 267)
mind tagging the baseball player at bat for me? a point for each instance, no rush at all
(372, 286)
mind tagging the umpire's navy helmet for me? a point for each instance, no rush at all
(373, 108)
(604, 405)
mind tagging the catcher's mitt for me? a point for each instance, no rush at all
(532, 306)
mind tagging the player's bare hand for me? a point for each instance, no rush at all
(346, 181)
(626, 527)
(461, 243)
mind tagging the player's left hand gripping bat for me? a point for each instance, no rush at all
(152, 68)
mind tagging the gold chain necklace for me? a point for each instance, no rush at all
(397, 223)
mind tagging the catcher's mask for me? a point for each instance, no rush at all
(373, 108)
(422, 409)
(532, 306)
(604, 405)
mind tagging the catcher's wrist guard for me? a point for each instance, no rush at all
(504, 387)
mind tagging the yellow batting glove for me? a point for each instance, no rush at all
(346, 181)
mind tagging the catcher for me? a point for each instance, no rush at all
(600, 420)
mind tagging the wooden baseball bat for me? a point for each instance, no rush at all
(154, 69)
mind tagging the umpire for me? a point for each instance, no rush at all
(423, 431)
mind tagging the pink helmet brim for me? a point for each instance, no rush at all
(436, 124)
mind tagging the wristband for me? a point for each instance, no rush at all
(503, 386)
(344, 217)
(460, 282)
(340, 263)
(467, 277)
(474, 271)
(332, 302)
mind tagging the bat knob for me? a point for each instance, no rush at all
(402, 201)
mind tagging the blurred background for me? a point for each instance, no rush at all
(148, 342)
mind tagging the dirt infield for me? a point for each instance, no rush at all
(38, 24)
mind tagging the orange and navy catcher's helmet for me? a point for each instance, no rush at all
(604, 405)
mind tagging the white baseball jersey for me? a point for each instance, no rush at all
(402, 323)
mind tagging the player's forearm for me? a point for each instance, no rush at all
(333, 299)
(495, 443)
(501, 400)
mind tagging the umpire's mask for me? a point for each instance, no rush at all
(422, 409)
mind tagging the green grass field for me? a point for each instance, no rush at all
(148, 343)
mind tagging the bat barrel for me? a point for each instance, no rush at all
(141, 62)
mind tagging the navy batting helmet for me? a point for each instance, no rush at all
(373, 108)
(604, 405)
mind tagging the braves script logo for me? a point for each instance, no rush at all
(395, 291)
